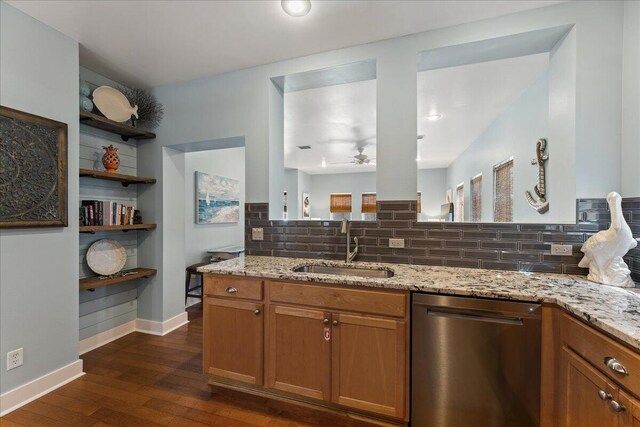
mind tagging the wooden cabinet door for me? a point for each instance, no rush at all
(630, 416)
(369, 364)
(585, 394)
(233, 340)
(299, 354)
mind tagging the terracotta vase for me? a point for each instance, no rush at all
(110, 159)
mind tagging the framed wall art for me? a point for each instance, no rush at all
(306, 206)
(217, 199)
(33, 170)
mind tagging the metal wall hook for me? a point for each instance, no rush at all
(541, 205)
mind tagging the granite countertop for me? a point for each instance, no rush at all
(613, 310)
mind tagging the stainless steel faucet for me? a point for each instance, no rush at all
(346, 229)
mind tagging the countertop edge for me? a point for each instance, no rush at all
(630, 337)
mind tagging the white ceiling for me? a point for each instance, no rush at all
(150, 43)
(469, 97)
(335, 120)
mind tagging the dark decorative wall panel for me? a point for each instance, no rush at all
(524, 247)
(33, 170)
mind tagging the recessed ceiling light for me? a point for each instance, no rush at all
(434, 117)
(296, 8)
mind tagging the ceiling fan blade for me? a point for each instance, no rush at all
(341, 163)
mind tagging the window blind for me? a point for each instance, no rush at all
(503, 192)
(340, 203)
(368, 203)
(476, 198)
(459, 210)
(419, 205)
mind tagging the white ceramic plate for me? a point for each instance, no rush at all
(106, 257)
(113, 104)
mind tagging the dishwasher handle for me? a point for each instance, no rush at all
(478, 317)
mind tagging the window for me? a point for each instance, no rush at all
(340, 205)
(368, 207)
(503, 191)
(476, 198)
(459, 210)
(419, 204)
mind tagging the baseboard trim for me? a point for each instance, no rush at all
(20, 396)
(106, 337)
(162, 328)
(138, 325)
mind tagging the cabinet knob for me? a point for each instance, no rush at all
(256, 311)
(615, 365)
(616, 407)
(231, 290)
(325, 321)
(335, 323)
(604, 395)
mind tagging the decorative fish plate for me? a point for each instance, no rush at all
(113, 104)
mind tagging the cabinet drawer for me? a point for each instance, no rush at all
(599, 349)
(233, 287)
(388, 303)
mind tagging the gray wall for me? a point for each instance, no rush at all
(514, 134)
(109, 306)
(355, 183)
(631, 101)
(294, 196)
(244, 103)
(201, 237)
(39, 267)
(296, 182)
(432, 183)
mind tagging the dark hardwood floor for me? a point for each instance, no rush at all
(146, 380)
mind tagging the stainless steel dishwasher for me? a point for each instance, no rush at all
(475, 362)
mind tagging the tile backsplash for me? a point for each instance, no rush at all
(631, 210)
(524, 247)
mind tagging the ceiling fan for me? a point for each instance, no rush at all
(358, 159)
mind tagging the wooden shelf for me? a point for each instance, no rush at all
(93, 228)
(98, 282)
(125, 131)
(111, 176)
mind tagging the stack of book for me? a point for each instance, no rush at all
(101, 212)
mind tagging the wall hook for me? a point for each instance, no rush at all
(541, 205)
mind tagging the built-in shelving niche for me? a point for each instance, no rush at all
(127, 134)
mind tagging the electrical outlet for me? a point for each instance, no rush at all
(257, 234)
(562, 250)
(14, 359)
(396, 243)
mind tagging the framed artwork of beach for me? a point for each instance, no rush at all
(217, 199)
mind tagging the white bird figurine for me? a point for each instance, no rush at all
(603, 251)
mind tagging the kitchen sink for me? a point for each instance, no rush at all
(345, 271)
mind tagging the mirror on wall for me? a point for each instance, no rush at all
(330, 144)
(487, 150)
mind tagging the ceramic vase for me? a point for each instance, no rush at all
(86, 104)
(84, 87)
(110, 159)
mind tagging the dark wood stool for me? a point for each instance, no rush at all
(193, 269)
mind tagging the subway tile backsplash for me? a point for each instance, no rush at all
(525, 247)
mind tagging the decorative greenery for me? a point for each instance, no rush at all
(150, 111)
